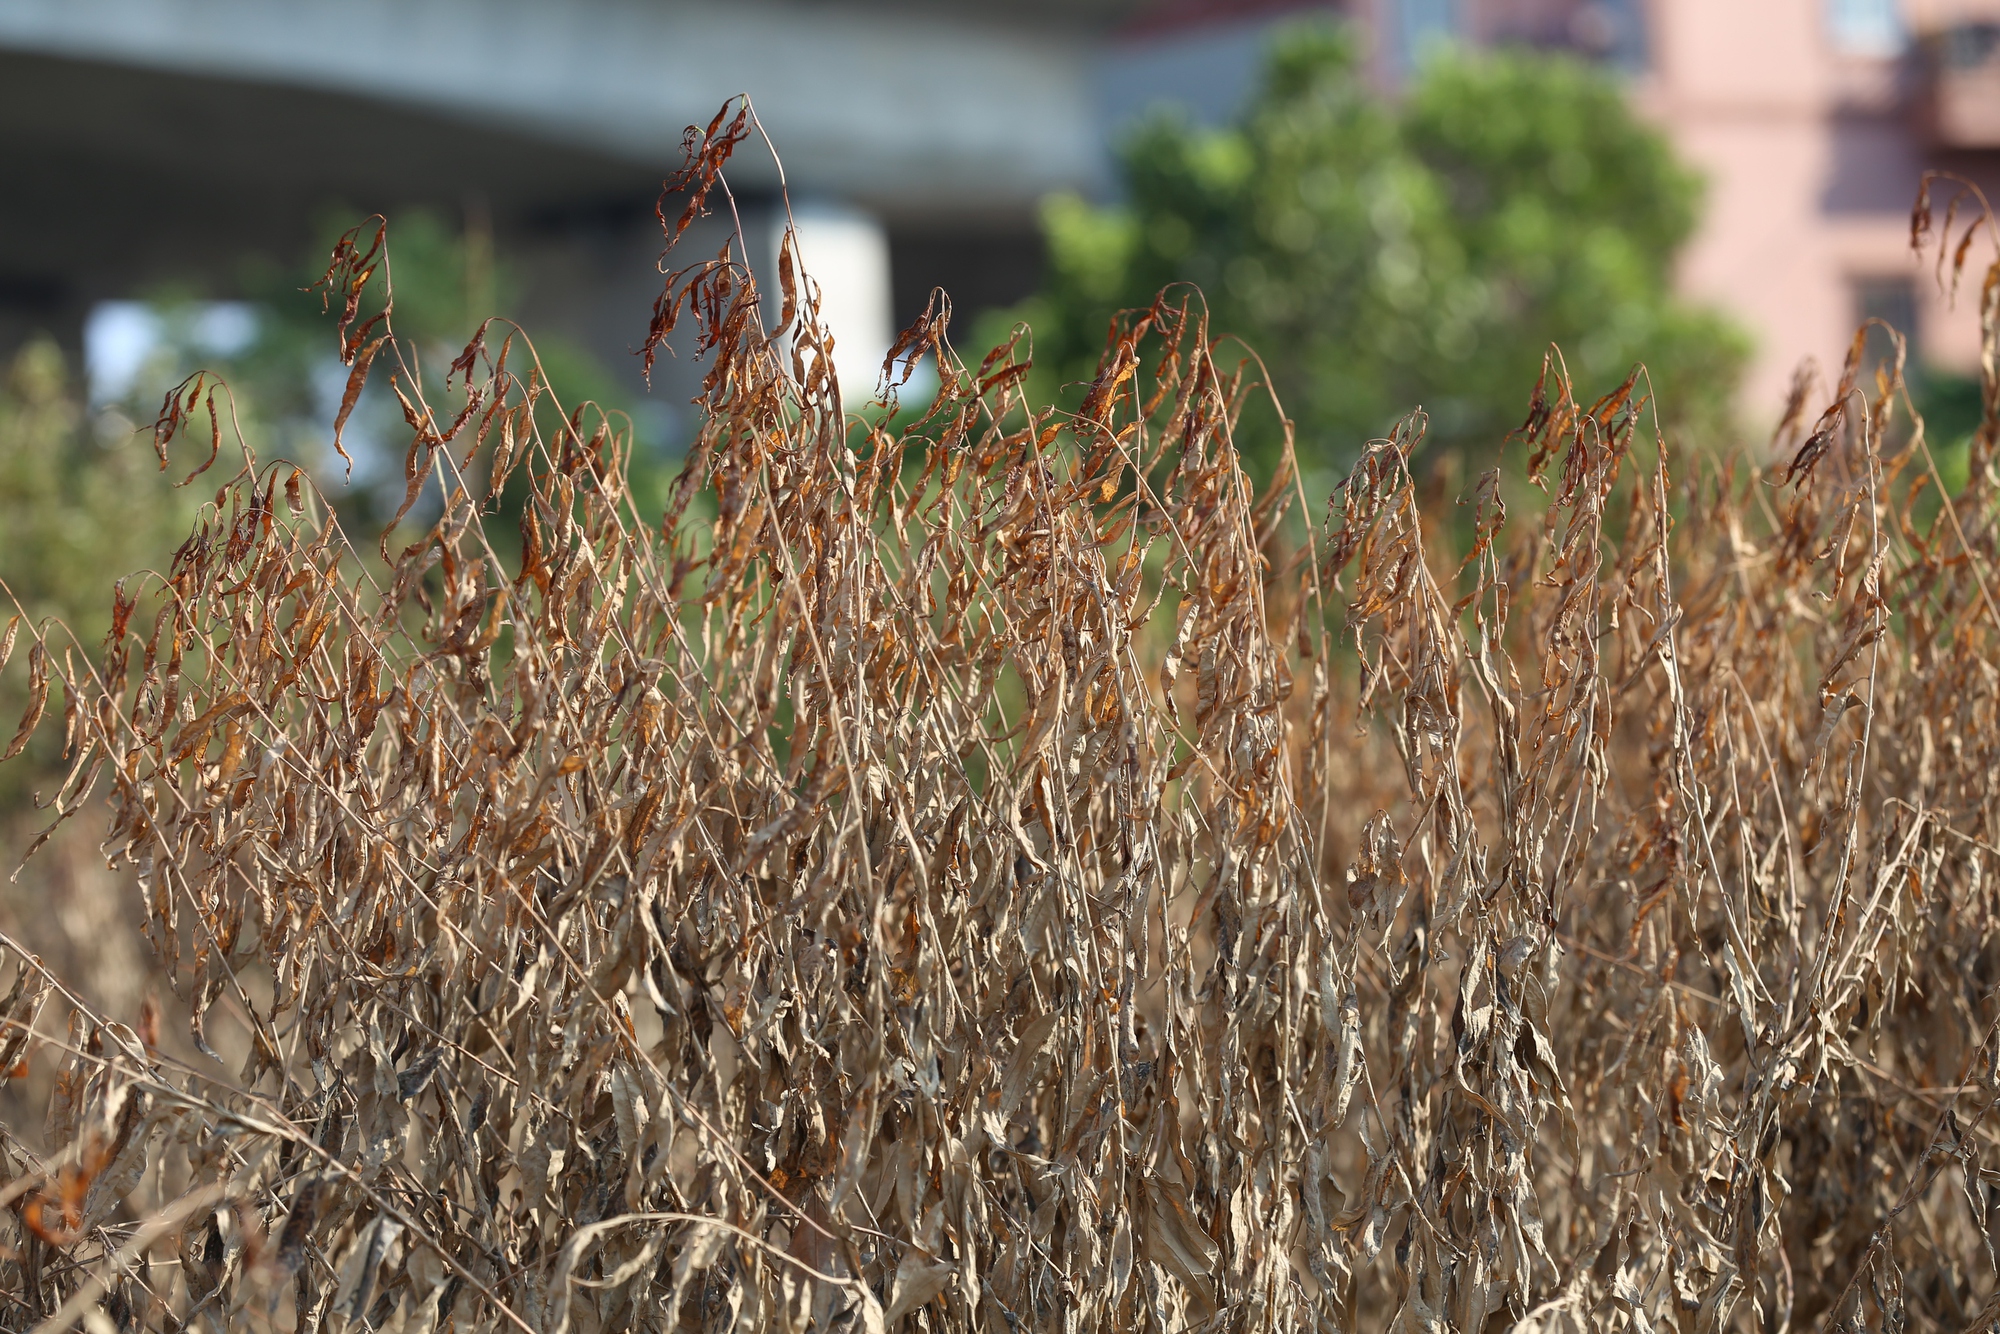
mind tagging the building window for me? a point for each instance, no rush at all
(1892, 300)
(1866, 27)
(1611, 30)
(1421, 25)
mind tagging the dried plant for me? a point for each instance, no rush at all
(1002, 873)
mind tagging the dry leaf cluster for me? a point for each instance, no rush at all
(1005, 873)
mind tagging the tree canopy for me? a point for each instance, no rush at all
(1382, 255)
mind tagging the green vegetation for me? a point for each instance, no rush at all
(81, 501)
(285, 380)
(1380, 255)
(1951, 411)
(79, 509)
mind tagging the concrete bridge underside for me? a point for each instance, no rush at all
(152, 140)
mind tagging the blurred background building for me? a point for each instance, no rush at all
(162, 141)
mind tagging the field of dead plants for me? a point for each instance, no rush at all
(1003, 870)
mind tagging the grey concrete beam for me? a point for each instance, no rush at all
(906, 110)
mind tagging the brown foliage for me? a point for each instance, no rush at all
(961, 886)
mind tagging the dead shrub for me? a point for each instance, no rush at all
(986, 875)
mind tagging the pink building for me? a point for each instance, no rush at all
(1814, 121)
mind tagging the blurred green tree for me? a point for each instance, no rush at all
(1381, 256)
(82, 505)
(84, 502)
(287, 380)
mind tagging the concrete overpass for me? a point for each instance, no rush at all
(143, 140)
